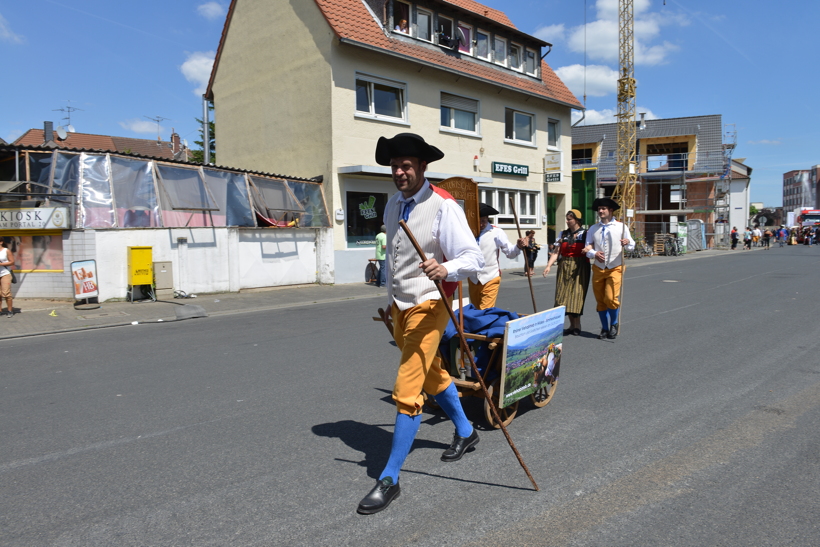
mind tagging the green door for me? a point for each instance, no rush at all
(583, 194)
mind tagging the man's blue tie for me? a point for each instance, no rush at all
(408, 206)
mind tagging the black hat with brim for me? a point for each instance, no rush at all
(485, 210)
(606, 202)
(405, 145)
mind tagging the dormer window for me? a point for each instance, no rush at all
(500, 51)
(401, 17)
(424, 22)
(515, 57)
(467, 45)
(445, 31)
(531, 65)
(482, 45)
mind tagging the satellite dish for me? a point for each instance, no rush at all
(71, 129)
(61, 132)
(185, 143)
(462, 39)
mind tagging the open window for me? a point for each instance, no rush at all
(459, 114)
(401, 17)
(424, 25)
(519, 126)
(465, 38)
(445, 33)
(274, 203)
(515, 59)
(187, 200)
(379, 98)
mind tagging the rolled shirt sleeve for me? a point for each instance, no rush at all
(457, 242)
(503, 243)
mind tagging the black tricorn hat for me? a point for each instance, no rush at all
(485, 210)
(406, 144)
(606, 202)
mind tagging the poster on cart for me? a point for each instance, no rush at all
(532, 353)
(84, 275)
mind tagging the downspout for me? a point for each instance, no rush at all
(206, 134)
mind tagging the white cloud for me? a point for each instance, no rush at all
(141, 126)
(767, 142)
(197, 69)
(600, 80)
(8, 35)
(13, 135)
(607, 115)
(601, 40)
(211, 10)
(551, 33)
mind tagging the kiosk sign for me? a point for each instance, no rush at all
(510, 169)
(34, 218)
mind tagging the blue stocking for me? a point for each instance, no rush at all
(449, 402)
(403, 436)
(604, 319)
(613, 316)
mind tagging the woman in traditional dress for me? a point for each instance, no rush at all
(573, 270)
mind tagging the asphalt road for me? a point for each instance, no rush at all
(697, 426)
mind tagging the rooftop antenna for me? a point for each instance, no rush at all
(157, 119)
(68, 110)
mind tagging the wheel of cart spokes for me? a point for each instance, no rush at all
(544, 395)
(506, 414)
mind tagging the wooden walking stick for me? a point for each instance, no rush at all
(623, 275)
(466, 349)
(526, 260)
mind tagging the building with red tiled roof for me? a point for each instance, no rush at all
(171, 150)
(310, 86)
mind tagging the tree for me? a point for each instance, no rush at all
(753, 210)
(199, 155)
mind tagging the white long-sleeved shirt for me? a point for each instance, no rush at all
(491, 240)
(607, 238)
(453, 234)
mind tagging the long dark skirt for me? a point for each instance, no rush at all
(572, 283)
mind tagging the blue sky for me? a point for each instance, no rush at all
(753, 62)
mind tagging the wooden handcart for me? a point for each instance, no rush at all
(470, 387)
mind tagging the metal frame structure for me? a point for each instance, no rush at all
(626, 173)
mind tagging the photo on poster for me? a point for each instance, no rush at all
(532, 353)
(84, 276)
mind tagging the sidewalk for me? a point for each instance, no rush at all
(38, 317)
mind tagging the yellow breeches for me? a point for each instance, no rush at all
(417, 332)
(483, 296)
(606, 285)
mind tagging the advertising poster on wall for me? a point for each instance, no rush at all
(532, 353)
(37, 253)
(84, 275)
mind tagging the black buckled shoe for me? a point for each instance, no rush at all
(604, 334)
(459, 446)
(613, 332)
(380, 497)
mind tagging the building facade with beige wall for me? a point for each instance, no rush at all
(309, 87)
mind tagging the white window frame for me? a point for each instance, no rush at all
(520, 48)
(534, 53)
(372, 115)
(451, 102)
(430, 29)
(502, 62)
(527, 205)
(409, 18)
(514, 140)
(452, 28)
(557, 145)
(470, 48)
(489, 44)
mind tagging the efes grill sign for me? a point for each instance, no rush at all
(510, 169)
(35, 218)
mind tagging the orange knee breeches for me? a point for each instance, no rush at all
(417, 332)
(483, 296)
(606, 285)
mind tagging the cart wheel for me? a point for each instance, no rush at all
(544, 395)
(506, 414)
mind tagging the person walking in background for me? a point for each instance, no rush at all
(381, 253)
(747, 239)
(531, 251)
(756, 233)
(782, 235)
(572, 279)
(767, 238)
(6, 263)
(484, 285)
(735, 237)
(605, 242)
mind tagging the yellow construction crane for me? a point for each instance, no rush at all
(626, 168)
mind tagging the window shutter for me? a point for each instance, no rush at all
(460, 103)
